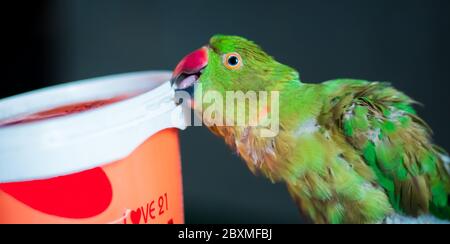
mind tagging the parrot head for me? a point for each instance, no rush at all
(230, 63)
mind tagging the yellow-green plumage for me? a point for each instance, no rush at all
(349, 151)
(394, 142)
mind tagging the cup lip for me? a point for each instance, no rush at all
(73, 143)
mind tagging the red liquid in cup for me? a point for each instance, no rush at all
(62, 111)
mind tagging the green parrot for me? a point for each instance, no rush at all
(349, 151)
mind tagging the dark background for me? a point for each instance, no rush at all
(405, 42)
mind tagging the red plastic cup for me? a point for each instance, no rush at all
(102, 150)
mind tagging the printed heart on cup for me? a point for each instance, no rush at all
(80, 195)
(136, 216)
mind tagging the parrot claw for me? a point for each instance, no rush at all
(424, 219)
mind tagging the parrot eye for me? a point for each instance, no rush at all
(232, 61)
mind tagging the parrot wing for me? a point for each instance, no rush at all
(380, 124)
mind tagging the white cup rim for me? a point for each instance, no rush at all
(73, 143)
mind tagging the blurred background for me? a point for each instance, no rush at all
(405, 42)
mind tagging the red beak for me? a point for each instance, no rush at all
(189, 68)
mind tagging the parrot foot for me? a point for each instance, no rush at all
(424, 219)
(446, 161)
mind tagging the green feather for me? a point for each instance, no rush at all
(348, 128)
(439, 194)
(429, 163)
(405, 107)
(388, 127)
